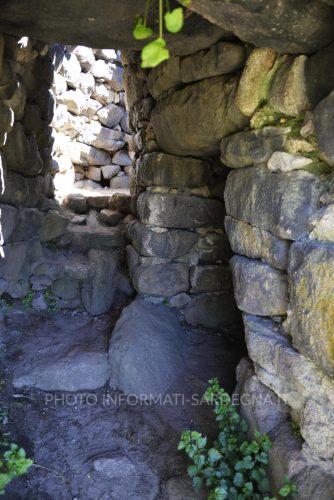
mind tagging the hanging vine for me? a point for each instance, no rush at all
(156, 51)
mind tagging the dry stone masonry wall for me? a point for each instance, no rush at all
(49, 259)
(93, 142)
(268, 118)
(179, 252)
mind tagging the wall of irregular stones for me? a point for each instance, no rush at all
(248, 132)
(48, 260)
(92, 139)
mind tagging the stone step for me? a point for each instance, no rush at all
(82, 200)
(99, 237)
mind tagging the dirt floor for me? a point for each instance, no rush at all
(97, 445)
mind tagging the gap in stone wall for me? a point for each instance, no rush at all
(93, 144)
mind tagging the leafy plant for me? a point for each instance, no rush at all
(27, 300)
(51, 301)
(13, 463)
(156, 51)
(234, 467)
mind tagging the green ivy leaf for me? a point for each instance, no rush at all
(174, 20)
(197, 483)
(214, 455)
(238, 479)
(192, 470)
(141, 32)
(185, 3)
(154, 53)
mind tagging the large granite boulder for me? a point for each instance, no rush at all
(193, 120)
(282, 204)
(146, 350)
(259, 288)
(178, 211)
(311, 289)
(287, 26)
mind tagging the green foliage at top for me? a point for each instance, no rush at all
(13, 463)
(234, 468)
(156, 51)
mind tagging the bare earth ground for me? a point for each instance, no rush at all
(69, 438)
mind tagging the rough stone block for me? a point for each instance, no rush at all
(263, 411)
(252, 147)
(222, 58)
(164, 77)
(324, 225)
(21, 152)
(280, 27)
(82, 154)
(210, 278)
(160, 169)
(110, 115)
(319, 74)
(178, 211)
(159, 242)
(256, 243)
(161, 280)
(94, 134)
(292, 376)
(18, 259)
(254, 80)
(288, 93)
(99, 290)
(214, 247)
(20, 191)
(76, 202)
(282, 204)
(311, 276)
(193, 120)
(53, 226)
(324, 127)
(214, 311)
(259, 288)
(27, 223)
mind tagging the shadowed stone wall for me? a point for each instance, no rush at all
(49, 260)
(179, 252)
(268, 119)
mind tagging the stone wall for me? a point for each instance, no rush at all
(179, 252)
(92, 138)
(49, 260)
(248, 133)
